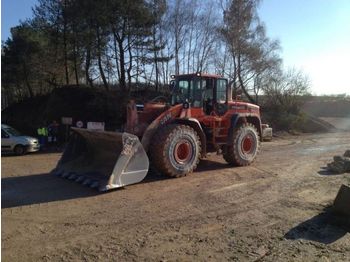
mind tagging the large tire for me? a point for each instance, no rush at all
(175, 150)
(244, 147)
(19, 150)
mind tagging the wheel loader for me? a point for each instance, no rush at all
(172, 136)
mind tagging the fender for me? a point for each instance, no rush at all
(164, 118)
(244, 117)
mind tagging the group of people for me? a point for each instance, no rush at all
(49, 135)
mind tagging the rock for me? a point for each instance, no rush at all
(341, 164)
(347, 153)
(337, 158)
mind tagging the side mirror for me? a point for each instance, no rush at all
(172, 85)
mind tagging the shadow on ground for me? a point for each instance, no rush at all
(39, 188)
(326, 172)
(43, 188)
(10, 154)
(209, 165)
(326, 228)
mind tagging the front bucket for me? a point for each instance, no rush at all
(103, 160)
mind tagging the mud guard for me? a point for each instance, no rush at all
(234, 122)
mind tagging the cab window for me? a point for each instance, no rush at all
(197, 94)
(184, 85)
(221, 91)
(180, 91)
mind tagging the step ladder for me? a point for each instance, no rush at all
(217, 127)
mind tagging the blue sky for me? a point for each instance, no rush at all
(314, 35)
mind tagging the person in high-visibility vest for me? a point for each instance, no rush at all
(45, 134)
(41, 136)
(42, 133)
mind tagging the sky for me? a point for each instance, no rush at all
(314, 35)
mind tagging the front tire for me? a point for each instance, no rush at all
(244, 147)
(19, 150)
(175, 150)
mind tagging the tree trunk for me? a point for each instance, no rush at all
(99, 58)
(116, 54)
(65, 44)
(122, 79)
(87, 67)
(251, 99)
(75, 62)
(128, 71)
(155, 57)
(29, 87)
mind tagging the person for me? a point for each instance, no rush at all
(40, 136)
(53, 133)
(45, 134)
(208, 97)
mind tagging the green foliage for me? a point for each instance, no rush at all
(281, 120)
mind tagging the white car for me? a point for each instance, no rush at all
(13, 141)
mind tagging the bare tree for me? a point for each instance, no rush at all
(178, 19)
(238, 31)
(284, 90)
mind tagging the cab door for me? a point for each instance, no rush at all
(208, 95)
(221, 87)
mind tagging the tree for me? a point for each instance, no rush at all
(178, 19)
(251, 50)
(284, 90)
(21, 58)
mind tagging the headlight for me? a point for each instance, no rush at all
(32, 141)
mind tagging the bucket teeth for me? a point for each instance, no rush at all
(73, 176)
(87, 182)
(80, 179)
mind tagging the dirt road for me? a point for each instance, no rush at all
(274, 210)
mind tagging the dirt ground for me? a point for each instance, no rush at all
(275, 210)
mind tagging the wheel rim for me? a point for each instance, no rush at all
(183, 152)
(248, 144)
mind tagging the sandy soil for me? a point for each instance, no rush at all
(274, 210)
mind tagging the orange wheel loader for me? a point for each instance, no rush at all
(173, 135)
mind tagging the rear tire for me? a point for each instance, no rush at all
(175, 150)
(244, 147)
(19, 150)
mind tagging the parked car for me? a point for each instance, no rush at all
(13, 141)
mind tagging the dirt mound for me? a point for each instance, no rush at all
(328, 108)
(293, 123)
(315, 125)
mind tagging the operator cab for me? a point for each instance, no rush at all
(210, 92)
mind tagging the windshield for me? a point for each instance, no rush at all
(11, 131)
(187, 90)
(180, 92)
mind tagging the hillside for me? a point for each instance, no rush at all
(80, 103)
